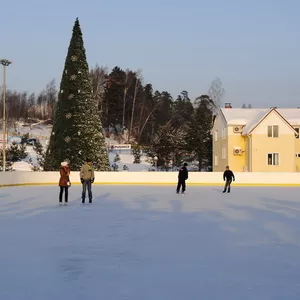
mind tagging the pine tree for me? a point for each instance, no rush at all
(117, 158)
(16, 152)
(169, 144)
(77, 132)
(199, 136)
(182, 110)
(40, 154)
(137, 153)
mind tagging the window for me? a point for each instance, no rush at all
(216, 135)
(273, 159)
(223, 153)
(298, 155)
(273, 131)
(297, 130)
(224, 133)
(216, 160)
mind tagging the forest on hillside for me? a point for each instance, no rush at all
(124, 102)
(172, 127)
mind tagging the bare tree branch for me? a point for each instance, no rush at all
(216, 93)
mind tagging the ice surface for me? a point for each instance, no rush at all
(149, 243)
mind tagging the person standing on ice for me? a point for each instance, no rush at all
(64, 182)
(183, 175)
(228, 176)
(87, 177)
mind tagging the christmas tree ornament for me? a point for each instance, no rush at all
(74, 58)
(67, 139)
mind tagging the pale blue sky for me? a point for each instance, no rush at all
(253, 46)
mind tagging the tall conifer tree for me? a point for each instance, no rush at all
(77, 132)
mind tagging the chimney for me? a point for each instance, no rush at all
(228, 105)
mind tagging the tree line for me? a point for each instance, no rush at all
(22, 105)
(173, 129)
(132, 111)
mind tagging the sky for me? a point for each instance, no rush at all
(252, 46)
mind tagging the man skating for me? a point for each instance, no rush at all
(182, 177)
(87, 177)
(228, 176)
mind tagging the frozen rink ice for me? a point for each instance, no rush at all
(147, 243)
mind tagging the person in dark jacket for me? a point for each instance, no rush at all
(64, 181)
(228, 176)
(183, 175)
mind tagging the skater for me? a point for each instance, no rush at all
(64, 182)
(228, 176)
(87, 177)
(182, 177)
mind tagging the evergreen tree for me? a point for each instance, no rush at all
(183, 110)
(199, 134)
(16, 152)
(169, 144)
(137, 153)
(77, 132)
(117, 158)
(40, 155)
(22, 151)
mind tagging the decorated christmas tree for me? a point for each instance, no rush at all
(77, 132)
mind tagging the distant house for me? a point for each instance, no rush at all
(257, 140)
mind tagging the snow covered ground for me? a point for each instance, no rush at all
(149, 243)
(126, 158)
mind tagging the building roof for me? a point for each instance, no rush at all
(240, 116)
(254, 122)
(250, 117)
(292, 115)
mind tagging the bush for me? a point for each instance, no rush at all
(16, 152)
(39, 150)
(137, 153)
(117, 158)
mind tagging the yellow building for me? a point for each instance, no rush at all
(257, 140)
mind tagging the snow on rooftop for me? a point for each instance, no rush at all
(240, 116)
(292, 115)
(251, 124)
(251, 116)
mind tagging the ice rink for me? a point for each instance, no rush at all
(147, 243)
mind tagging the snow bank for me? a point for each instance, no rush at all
(22, 166)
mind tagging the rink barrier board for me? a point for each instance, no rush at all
(22, 178)
(158, 184)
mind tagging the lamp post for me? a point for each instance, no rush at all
(5, 63)
(171, 163)
(155, 160)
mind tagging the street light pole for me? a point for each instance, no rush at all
(5, 63)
